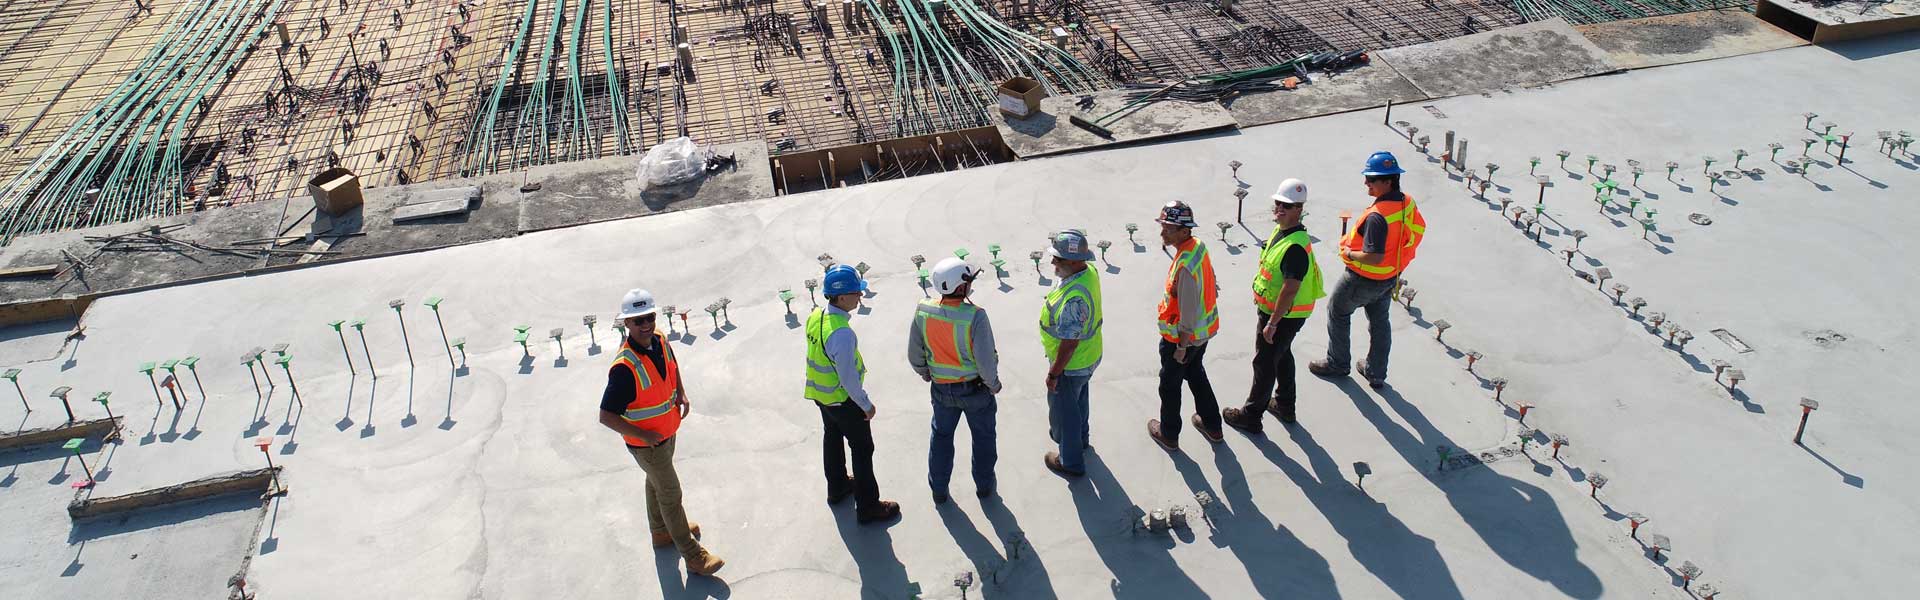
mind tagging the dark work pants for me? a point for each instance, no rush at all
(1273, 368)
(846, 421)
(1193, 374)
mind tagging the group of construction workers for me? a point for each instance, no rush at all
(951, 346)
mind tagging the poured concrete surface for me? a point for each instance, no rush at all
(1686, 37)
(1050, 132)
(1367, 86)
(1514, 57)
(492, 480)
(599, 190)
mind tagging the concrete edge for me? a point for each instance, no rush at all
(261, 480)
(48, 435)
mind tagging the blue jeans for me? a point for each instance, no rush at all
(950, 402)
(1067, 418)
(1376, 297)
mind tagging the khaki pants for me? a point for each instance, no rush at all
(664, 513)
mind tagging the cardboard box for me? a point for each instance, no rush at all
(1020, 97)
(335, 191)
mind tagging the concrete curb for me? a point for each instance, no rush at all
(49, 435)
(218, 485)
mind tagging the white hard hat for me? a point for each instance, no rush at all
(1292, 191)
(951, 273)
(637, 303)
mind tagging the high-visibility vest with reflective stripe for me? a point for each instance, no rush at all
(653, 391)
(823, 382)
(1405, 229)
(947, 330)
(1084, 285)
(1267, 285)
(1193, 259)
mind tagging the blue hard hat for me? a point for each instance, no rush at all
(1382, 163)
(842, 279)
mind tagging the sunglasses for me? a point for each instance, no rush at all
(644, 318)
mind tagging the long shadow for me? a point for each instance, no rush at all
(446, 424)
(881, 574)
(96, 528)
(1845, 477)
(1406, 562)
(997, 576)
(673, 585)
(1278, 563)
(1141, 568)
(1490, 503)
(1027, 573)
(346, 414)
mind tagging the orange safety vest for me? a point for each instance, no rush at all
(946, 328)
(1193, 258)
(653, 392)
(1405, 229)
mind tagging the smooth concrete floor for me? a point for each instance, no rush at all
(494, 481)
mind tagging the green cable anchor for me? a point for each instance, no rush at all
(1444, 452)
(460, 343)
(1035, 255)
(1810, 117)
(1532, 163)
(1223, 225)
(1671, 167)
(786, 298)
(286, 364)
(586, 321)
(1706, 167)
(713, 310)
(1826, 127)
(520, 337)
(1738, 154)
(1637, 172)
(919, 272)
(73, 445)
(191, 363)
(1591, 159)
(360, 327)
(1633, 205)
(994, 249)
(1774, 155)
(961, 253)
(343, 344)
(1131, 229)
(1808, 149)
(102, 399)
(147, 368)
(247, 360)
(1563, 158)
(812, 284)
(433, 302)
(13, 375)
(1104, 245)
(396, 304)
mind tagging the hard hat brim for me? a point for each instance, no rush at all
(1055, 252)
(624, 315)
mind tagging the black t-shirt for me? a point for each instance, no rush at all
(1293, 264)
(1373, 230)
(620, 382)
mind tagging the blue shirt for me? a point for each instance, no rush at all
(841, 347)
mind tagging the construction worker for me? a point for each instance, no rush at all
(1070, 334)
(835, 378)
(1376, 251)
(644, 401)
(1189, 316)
(1284, 292)
(951, 347)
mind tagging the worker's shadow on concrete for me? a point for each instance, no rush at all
(1406, 562)
(1278, 563)
(1141, 568)
(881, 574)
(673, 586)
(1489, 502)
(1023, 577)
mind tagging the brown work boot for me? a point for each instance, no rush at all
(1241, 420)
(702, 562)
(1373, 382)
(887, 510)
(1325, 369)
(662, 539)
(1053, 464)
(1212, 435)
(1153, 431)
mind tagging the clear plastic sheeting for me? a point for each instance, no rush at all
(672, 162)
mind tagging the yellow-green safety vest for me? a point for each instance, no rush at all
(1267, 284)
(1086, 285)
(823, 383)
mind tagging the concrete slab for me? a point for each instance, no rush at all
(491, 478)
(1050, 133)
(1686, 37)
(1368, 86)
(1824, 22)
(435, 203)
(1515, 57)
(600, 190)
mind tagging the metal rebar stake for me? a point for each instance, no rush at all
(433, 302)
(396, 305)
(343, 345)
(359, 326)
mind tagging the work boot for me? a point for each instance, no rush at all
(846, 489)
(1281, 410)
(1373, 382)
(702, 562)
(887, 510)
(1153, 431)
(662, 539)
(985, 492)
(1325, 369)
(1053, 463)
(1212, 435)
(941, 498)
(1241, 420)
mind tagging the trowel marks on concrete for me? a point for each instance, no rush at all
(1521, 56)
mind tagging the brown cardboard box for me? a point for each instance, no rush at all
(1020, 97)
(335, 191)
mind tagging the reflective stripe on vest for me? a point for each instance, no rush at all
(1405, 229)
(1085, 285)
(1193, 259)
(653, 391)
(823, 382)
(947, 331)
(1266, 286)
